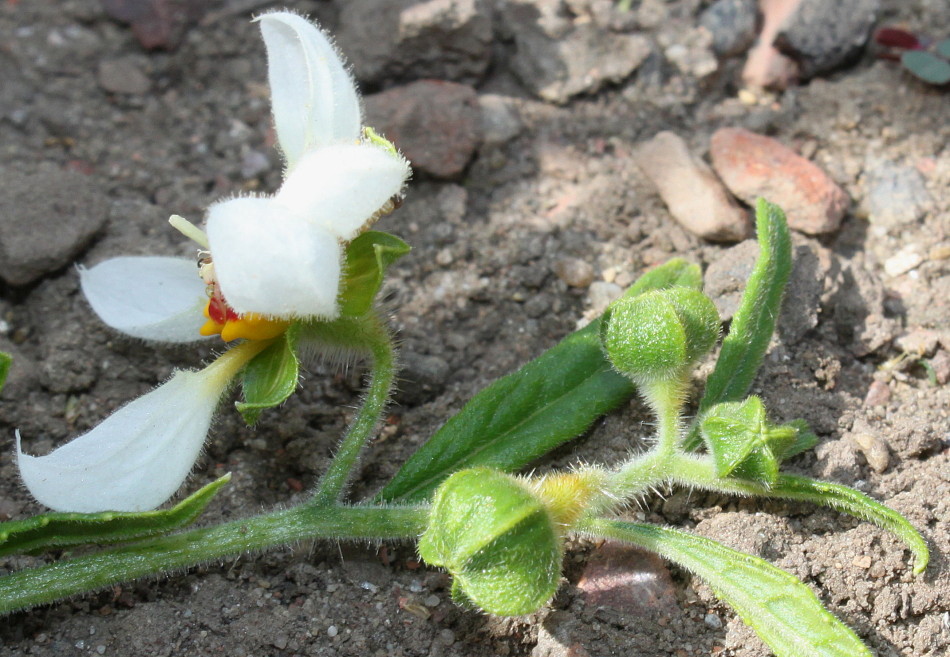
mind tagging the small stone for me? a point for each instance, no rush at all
(822, 36)
(692, 54)
(878, 394)
(861, 561)
(895, 195)
(574, 272)
(731, 24)
(280, 641)
(122, 76)
(446, 637)
(501, 120)
(903, 261)
(254, 163)
(432, 601)
(941, 366)
(692, 192)
(600, 295)
(713, 621)
(332, 631)
(874, 449)
(727, 275)
(802, 303)
(755, 166)
(557, 60)
(919, 342)
(631, 582)
(46, 218)
(422, 378)
(436, 124)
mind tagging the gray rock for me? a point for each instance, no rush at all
(822, 36)
(557, 60)
(732, 24)
(802, 303)
(895, 194)
(46, 218)
(422, 377)
(574, 272)
(122, 76)
(727, 275)
(692, 192)
(501, 120)
(402, 39)
(436, 125)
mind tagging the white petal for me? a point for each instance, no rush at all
(137, 458)
(153, 298)
(270, 261)
(342, 186)
(314, 98)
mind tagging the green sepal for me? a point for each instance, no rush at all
(782, 610)
(367, 258)
(927, 66)
(754, 322)
(61, 530)
(745, 446)
(527, 413)
(271, 376)
(5, 361)
(854, 503)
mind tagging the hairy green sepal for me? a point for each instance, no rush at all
(5, 361)
(367, 259)
(60, 530)
(779, 607)
(271, 377)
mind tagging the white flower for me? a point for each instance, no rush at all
(272, 259)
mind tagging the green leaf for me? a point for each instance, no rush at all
(744, 445)
(5, 361)
(59, 530)
(271, 377)
(367, 258)
(943, 48)
(526, 414)
(855, 503)
(926, 66)
(782, 610)
(754, 322)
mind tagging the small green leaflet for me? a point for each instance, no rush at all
(744, 445)
(367, 258)
(60, 530)
(754, 321)
(5, 361)
(780, 608)
(927, 66)
(526, 414)
(271, 377)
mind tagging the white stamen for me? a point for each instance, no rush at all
(189, 230)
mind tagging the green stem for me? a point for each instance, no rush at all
(383, 370)
(58, 580)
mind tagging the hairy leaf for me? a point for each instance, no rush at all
(367, 258)
(59, 530)
(5, 361)
(271, 377)
(782, 610)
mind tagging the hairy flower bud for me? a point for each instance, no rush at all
(656, 335)
(497, 538)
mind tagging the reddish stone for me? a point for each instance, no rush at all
(436, 124)
(753, 165)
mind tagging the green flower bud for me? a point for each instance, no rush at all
(496, 537)
(655, 336)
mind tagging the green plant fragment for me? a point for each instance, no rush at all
(754, 322)
(367, 258)
(524, 415)
(927, 66)
(854, 503)
(943, 48)
(5, 361)
(271, 377)
(782, 610)
(60, 530)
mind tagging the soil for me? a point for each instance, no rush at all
(478, 296)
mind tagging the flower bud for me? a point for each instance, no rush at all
(655, 336)
(497, 539)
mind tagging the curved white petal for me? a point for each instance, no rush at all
(342, 186)
(154, 298)
(137, 458)
(314, 98)
(270, 261)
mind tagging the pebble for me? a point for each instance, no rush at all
(122, 76)
(422, 378)
(692, 54)
(432, 601)
(823, 36)
(332, 631)
(895, 194)
(754, 165)
(557, 60)
(879, 393)
(941, 366)
(574, 272)
(600, 295)
(46, 218)
(501, 120)
(713, 621)
(874, 449)
(919, 342)
(631, 582)
(732, 25)
(436, 124)
(408, 39)
(692, 192)
(903, 261)
(726, 277)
